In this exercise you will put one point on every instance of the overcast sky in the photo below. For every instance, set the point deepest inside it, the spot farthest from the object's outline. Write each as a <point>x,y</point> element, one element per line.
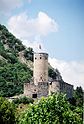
<point>58,25</point>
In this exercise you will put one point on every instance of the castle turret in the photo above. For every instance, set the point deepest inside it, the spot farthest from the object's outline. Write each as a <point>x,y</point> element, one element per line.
<point>40,68</point>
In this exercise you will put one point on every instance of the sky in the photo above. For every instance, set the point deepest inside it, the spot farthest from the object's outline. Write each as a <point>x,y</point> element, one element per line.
<point>57,25</point>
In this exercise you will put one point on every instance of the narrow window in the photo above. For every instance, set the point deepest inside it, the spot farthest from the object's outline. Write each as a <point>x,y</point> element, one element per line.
<point>50,83</point>
<point>34,95</point>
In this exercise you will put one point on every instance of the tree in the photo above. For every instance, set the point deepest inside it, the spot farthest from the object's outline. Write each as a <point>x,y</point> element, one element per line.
<point>52,73</point>
<point>52,110</point>
<point>29,53</point>
<point>7,112</point>
<point>24,100</point>
<point>78,95</point>
<point>12,78</point>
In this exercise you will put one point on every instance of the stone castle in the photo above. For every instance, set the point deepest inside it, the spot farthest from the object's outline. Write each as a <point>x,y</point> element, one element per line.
<point>41,86</point>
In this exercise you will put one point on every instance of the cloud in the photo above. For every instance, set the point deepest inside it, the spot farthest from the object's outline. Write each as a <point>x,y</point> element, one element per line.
<point>6,6</point>
<point>32,30</point>
<point>35,45</point>
<point>72,72</point>
<point>27,28</point>
<point>29,1</point>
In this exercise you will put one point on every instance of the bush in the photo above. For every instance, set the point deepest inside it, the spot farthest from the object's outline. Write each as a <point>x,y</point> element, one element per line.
<point>12,78</point>
<point>7,112</point>
<point>52,110</point>
<point>24,100</point>
<point>28,54</point>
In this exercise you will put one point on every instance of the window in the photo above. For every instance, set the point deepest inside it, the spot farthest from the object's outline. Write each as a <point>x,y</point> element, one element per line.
<point>35,58</point>
<point>34,95</point>
<point>50,83</point>
<point>40,57</point>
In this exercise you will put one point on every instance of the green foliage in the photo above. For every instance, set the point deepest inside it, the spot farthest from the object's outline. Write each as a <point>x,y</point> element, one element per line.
<point>12,78</point>
<point>1,45</point>
<point>11,58</point>
<point>24,100</point>
<point>51,73</point>
<point>77,99</point>
<point>28,54</point>
<point>7,112</point>
<point>78,94</point>
<point>13,74</point>
<point>52,110</point>
<point>9,39</point>
<point>54,74</point>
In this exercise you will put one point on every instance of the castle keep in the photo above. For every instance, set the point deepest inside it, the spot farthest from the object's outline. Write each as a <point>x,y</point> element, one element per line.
<point>40,68</point>
<point>41,86</point>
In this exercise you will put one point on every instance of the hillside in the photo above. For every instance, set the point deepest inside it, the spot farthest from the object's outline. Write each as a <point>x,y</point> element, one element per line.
<point>16,64</point>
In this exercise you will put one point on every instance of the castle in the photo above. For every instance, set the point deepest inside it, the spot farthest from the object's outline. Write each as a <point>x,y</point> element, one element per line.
<point>41,86</point>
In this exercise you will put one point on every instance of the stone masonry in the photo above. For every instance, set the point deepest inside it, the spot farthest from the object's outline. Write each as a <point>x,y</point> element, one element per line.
<point>40,85</point>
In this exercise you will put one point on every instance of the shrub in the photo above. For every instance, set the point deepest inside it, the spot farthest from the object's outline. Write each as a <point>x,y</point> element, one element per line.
<point>7,112</point>
<point>24,100</point>
<point>52,110</point>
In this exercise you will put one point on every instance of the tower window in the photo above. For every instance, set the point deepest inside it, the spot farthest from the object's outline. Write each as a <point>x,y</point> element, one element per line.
<point>34,89</point>
<point>41,77</point>
<point>34,95</point>
<point>35,58</point>
<point>40,57</point>
<point>50,83</point>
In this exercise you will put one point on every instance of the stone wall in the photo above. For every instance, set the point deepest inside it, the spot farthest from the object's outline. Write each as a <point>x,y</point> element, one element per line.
<point>43,89</point>
<point>66,88</point>
<point>30,89</point>
<point>33,90</point>
<point>54,87</point>
<point>63,87</point>
<point>40,67</point>
<point>69,90</point>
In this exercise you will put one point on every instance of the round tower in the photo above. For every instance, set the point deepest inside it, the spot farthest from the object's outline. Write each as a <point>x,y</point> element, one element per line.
<point>40,68</point>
